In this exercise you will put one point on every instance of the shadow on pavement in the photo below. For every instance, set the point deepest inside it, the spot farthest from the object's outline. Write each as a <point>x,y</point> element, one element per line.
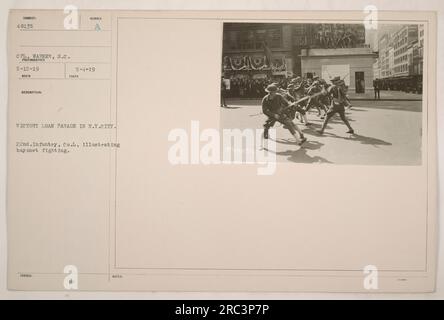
<point>312,129</point>
<point>300,155</point>
<point>357,109</point>
<point>285,141</point>
<point>310,145</point>
<point>362,139</point>
<point>337,119</point>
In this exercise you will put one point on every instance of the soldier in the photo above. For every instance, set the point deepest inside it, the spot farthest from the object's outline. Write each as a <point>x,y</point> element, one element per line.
<point>377,89</point>
<point>338,101</point>
<point>294,94</point>
<point>274,106</point>
<point>297,91</point>
<point>324,98</point>
<point>315,101</point>
<point>297,79</point>
<point>223,93</point>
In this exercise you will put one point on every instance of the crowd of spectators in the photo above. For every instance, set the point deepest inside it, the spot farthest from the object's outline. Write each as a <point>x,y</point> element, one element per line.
<point>247,87</point>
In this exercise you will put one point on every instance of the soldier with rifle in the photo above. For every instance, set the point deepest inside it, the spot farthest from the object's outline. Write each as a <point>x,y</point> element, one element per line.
<point>297,91</point>
<point>275,107</point>
<point>337,94</point>
<point>315,101</point>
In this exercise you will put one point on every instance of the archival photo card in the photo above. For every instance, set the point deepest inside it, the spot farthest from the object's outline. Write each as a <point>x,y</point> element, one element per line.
<point>228,151</point>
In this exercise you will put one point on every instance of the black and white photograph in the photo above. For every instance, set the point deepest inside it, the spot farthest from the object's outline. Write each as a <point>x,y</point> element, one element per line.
<point>334,93</point>
<point>248,154</point>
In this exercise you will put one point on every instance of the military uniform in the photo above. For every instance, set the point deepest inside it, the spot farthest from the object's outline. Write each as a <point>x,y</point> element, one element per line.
<point>274,107</point>
<point>325,98</point>
<point>293,96</point>
<point>315,88</point>
<point>223,93</point>
<point>297,90</point>
<point>338,101</point>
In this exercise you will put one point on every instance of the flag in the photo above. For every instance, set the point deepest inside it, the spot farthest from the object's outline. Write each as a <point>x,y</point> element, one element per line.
<point>268,53</point>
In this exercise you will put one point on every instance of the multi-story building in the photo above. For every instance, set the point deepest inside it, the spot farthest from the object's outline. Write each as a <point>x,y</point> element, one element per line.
<point>327,50</point>
<point>421,35</point>
<point>249,47</point>
<point>402,45</point>
<point>376,69</point>
<point>391,61</point>
<point>385,48</point>
<point>400,55</point>
<point>420,53</point>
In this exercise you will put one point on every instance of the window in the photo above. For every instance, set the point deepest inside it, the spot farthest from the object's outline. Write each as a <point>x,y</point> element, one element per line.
<point>274,38</point>
<point>246,40</point>
<point>253,39</point>
<point>260,37</point>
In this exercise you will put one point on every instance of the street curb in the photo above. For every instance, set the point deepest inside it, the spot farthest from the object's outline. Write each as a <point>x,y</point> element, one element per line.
<point>359,99</point>
<point>351,99</point>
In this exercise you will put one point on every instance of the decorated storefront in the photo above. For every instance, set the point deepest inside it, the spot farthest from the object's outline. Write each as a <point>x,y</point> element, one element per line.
<point>249,74</point>
<point>256,66</point>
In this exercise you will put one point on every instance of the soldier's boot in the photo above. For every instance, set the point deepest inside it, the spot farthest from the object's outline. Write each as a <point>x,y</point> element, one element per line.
<point>299,139</point>
<point>305,120</point>
<point>265,133</point>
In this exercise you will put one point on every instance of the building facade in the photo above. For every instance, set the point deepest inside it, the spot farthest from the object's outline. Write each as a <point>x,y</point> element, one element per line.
<point>376,69</point>
<point>259,50</point>
<point>391,62</point>
<point>401,56</point>
<point>403,41</point>
<point>385,47</point>
<point>421,45</point>
<point>247,48</point>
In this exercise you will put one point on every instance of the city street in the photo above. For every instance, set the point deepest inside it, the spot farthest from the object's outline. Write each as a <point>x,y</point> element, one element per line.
<point>386,133</point>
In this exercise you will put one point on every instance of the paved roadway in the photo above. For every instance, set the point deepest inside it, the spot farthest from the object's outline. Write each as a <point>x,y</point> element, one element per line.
<point>387,133</point>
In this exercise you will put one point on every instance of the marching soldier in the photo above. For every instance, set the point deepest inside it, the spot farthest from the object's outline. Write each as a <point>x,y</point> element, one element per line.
<point>315,101</point>
<point>294,94</point>
<point>338,96</point>
<point>324,98</point>
<point>297,91</point>
<point>274,106</point>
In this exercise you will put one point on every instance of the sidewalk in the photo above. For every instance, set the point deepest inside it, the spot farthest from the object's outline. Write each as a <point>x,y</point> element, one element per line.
<point>369,95</point>
<point>386,95</point>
